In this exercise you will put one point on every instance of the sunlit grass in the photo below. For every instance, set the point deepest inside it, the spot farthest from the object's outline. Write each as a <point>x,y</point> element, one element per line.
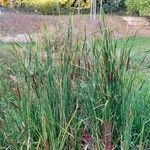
<point>140,43</point>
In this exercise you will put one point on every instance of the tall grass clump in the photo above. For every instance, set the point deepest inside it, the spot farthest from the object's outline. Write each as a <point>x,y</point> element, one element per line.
<point>76,93</point>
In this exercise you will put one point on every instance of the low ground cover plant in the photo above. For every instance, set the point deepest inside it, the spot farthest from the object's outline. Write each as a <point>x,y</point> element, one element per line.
<point>80,94</point>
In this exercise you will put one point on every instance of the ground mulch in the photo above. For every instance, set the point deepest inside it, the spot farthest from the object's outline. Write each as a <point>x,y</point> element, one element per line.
<point>19,23</point>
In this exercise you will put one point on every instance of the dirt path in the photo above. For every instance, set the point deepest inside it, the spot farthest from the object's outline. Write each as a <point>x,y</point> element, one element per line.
<point>18,23</point>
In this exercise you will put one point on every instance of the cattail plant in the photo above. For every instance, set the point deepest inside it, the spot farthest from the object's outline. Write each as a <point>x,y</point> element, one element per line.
<point>83,93</point>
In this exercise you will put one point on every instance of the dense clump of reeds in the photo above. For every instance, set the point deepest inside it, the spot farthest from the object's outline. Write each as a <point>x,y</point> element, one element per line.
<point>80,94</point>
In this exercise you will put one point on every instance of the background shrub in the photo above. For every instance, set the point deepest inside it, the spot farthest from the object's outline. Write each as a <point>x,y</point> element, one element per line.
<point>110,6</point>
<point>64,6</point>
<point>40,6</point>
<point>51,6</point>
<point>140,7</point>
<point>4,2</point>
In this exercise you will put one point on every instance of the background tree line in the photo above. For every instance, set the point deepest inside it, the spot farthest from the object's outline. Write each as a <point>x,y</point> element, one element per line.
<point>134,7</point>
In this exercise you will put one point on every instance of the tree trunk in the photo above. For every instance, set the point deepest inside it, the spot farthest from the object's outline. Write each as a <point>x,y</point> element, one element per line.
<point>93,9</point>
<point>78,7</point>
<point>10,3</point>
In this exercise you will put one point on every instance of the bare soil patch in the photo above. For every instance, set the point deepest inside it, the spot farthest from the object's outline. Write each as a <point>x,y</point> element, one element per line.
<point>18,23</point>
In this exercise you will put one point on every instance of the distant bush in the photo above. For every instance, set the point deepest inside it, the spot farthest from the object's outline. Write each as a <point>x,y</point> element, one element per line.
<point>65,6</point>
<point>140,7</point>
<point>51,6</point>
<point>41,6</point>
<point>4,2</point>
<point>111,6</point>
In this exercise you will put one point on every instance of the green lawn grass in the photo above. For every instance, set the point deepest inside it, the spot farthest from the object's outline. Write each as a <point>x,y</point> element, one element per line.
<point>139,44</point>
<point>140,51</point>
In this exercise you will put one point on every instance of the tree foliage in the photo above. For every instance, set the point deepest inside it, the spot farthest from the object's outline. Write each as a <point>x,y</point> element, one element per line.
<point>50,6</point>
<point>140,7</point>
<point>4,2</point>
<point>110,6</point>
